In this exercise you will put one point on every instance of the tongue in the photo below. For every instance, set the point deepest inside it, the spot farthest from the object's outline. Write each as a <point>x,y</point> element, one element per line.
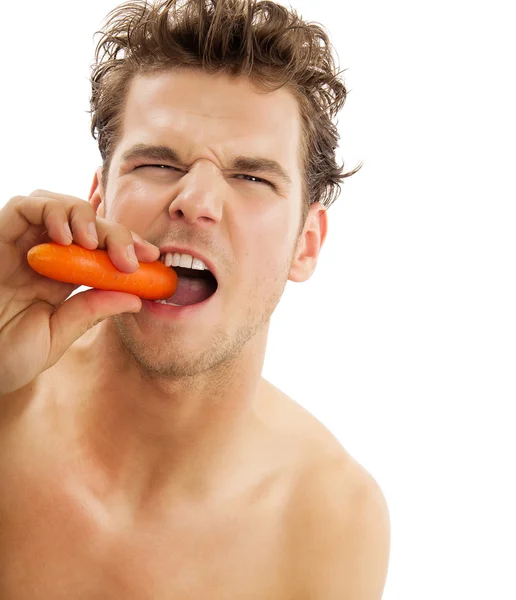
<point>191,290</point>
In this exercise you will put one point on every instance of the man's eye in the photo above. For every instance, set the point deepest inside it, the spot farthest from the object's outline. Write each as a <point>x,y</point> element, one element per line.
<point>156,167</point>
<point>257,179</point>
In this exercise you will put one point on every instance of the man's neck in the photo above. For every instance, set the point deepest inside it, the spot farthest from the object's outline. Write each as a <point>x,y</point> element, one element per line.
<point>142,437</point>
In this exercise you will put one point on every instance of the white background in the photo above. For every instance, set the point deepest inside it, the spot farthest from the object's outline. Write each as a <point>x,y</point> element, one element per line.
<point>403,342</point>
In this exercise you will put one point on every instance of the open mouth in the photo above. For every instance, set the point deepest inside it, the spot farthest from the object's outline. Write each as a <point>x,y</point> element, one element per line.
<point>193,286</point>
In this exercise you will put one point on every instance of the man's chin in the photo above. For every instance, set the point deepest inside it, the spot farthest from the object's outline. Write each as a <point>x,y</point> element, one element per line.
<point>216,353</point>
<point>173,358</point>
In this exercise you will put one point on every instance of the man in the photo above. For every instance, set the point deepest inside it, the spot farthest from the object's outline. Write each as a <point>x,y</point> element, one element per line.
<point>147,457</point>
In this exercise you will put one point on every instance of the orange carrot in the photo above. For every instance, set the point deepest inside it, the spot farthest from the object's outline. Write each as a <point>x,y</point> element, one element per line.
<point>93,268</point>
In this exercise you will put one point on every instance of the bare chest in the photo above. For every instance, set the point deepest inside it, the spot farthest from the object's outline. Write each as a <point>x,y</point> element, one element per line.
<point>59,542</point>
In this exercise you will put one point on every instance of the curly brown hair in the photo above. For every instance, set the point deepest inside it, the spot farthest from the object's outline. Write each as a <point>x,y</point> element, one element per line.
<point>265,41</point>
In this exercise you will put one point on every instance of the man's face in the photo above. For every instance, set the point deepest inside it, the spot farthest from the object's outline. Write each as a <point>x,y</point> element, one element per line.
<point>244,221</point>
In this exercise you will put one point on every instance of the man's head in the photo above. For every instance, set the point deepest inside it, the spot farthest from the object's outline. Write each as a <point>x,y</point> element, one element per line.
<point>271,45</point>
<point>236,100</point>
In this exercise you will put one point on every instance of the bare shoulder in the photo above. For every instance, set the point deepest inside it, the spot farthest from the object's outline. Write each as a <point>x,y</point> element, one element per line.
<point>338,518</point>
<point>340,533</point>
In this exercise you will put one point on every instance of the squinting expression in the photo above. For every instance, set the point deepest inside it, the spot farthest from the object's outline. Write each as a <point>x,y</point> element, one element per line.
<point>212,164</point>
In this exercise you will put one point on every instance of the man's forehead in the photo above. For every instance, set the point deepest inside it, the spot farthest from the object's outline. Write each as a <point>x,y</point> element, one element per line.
<point>211,104</point>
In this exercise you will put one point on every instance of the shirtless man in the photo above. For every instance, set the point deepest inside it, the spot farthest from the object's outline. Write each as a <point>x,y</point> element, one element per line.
<point>146,457</point>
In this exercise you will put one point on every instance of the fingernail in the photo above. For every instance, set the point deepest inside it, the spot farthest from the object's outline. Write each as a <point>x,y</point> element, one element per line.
<point>131,254</point>
<point>92,232</point>
<point>67,230</point>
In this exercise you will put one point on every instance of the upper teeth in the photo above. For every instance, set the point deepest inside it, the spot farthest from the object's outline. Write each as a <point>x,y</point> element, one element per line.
<point>174,259</point>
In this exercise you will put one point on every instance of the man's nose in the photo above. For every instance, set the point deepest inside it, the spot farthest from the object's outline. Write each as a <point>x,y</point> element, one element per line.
<point>199,195</point>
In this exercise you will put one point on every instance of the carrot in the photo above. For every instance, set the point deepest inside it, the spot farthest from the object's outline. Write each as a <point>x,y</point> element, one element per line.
<point>75,264</point>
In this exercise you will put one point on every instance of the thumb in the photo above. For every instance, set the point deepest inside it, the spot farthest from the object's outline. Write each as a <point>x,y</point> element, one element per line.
<point>81,312</point>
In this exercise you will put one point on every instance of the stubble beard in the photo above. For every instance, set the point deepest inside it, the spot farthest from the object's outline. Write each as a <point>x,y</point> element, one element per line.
<point>219,358</point>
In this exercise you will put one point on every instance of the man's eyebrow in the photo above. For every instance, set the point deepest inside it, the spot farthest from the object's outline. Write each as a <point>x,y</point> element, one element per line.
<point>253,164</point>
<point>150,153</point>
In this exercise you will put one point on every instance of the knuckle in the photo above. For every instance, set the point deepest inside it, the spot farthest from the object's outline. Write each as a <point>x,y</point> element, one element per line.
<point>39,193</point>
<point>89,210</point>
<point>86,207</point>
<point>15,200</point>
<point>51,206</point>
<point>82,210</point>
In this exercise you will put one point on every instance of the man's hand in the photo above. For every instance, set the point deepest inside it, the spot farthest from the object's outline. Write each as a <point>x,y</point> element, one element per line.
<point>37,321</point>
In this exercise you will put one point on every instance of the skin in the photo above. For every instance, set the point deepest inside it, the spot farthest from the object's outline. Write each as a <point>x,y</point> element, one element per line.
<point>162,460</point>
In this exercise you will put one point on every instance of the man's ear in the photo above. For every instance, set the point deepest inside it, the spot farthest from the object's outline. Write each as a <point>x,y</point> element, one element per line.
<point>309,243</point>
<point>96,195</point>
